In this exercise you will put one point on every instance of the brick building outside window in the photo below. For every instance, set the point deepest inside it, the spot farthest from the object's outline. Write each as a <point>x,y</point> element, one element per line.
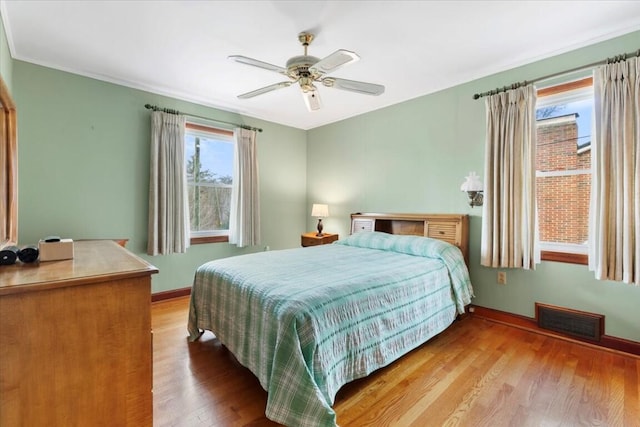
<point>563,171</point>
<point>562,186</point>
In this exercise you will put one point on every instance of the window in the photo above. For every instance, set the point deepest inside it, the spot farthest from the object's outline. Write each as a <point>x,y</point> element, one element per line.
<point>209,166</point>
<point>563,169</point>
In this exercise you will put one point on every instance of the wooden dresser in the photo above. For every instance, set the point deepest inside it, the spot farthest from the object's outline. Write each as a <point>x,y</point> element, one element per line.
<point>75,340</point>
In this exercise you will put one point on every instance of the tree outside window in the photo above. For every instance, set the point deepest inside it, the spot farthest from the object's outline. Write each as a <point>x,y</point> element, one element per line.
<point>209,165</point>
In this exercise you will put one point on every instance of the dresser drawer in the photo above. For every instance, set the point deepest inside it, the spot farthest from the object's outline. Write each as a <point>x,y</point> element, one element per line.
<point>446,231</point>
<point>362,225</point>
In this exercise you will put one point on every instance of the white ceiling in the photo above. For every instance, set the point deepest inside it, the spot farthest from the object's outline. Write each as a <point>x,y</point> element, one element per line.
<point>180,48</point>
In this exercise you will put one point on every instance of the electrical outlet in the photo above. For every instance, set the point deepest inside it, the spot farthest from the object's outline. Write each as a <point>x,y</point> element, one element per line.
<point>502,277</point>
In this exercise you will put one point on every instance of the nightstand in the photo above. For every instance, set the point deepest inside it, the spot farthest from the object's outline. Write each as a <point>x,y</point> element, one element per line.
<point>310,239</point>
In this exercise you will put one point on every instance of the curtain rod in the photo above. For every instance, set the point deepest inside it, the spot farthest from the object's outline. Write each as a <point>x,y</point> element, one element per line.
<point>517,85</point>
<point>170,111</point>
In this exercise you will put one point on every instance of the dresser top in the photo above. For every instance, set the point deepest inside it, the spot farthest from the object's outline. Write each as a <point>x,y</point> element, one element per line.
<point>94,261</point>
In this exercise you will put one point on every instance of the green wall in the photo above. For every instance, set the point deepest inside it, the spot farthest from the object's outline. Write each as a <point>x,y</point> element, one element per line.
<point>84,168</point>
<point>413,157</point>
<point>6,62</point>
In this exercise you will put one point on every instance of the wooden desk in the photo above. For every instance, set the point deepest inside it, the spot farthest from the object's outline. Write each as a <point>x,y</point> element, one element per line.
<point>75,340</point>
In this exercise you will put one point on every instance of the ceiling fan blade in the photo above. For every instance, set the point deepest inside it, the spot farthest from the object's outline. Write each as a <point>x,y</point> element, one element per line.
<point>254,62</point>
<point>334,61</point>
<point>312,100</point>
<point>353,86</point>
<point>264,90</point>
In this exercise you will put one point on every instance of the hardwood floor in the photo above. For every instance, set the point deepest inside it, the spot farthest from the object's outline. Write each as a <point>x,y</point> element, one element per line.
<point>476,373</point>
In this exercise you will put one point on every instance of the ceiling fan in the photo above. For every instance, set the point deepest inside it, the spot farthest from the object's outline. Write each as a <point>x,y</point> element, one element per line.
<point>307,70</point>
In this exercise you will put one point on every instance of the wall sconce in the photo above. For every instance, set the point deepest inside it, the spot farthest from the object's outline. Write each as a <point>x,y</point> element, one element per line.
<point>473,186</point>
<point>320,211</point>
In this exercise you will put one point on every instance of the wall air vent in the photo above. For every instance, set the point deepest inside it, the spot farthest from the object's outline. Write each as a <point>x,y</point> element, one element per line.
<point>574,323</point>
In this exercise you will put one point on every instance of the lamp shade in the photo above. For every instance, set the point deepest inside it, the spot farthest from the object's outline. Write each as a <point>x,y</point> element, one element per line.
<point>472,183</point>
<point>320,211</point>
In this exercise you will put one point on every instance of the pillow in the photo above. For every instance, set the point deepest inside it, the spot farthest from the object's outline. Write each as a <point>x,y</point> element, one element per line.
<point>420,246</point>
<point>368,239</point>
<point>411,245</point>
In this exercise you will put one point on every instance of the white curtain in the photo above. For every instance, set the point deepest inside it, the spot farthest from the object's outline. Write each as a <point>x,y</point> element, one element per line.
<point>168,197</point>
<point>509,220</point>
<point>244,221</point>
<point>614,234</point>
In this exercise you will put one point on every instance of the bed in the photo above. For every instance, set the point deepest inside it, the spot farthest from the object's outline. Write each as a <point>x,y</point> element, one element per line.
<point>306,321</point>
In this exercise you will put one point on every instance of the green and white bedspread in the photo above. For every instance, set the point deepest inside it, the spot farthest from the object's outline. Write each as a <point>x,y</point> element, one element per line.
<point>307,321</point>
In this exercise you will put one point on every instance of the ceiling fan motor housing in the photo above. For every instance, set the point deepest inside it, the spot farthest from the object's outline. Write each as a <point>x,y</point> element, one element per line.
<point>298,66</point>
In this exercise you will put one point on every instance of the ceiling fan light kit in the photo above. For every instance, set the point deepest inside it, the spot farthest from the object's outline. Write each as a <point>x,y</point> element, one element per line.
<point>307,70</point>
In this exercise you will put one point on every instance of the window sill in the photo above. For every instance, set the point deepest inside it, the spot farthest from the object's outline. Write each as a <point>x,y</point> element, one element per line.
<point>568,258</point>
<point>209,239</point>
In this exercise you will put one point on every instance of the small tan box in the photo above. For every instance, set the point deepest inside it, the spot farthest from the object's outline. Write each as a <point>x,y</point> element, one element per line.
<point>54,251</point>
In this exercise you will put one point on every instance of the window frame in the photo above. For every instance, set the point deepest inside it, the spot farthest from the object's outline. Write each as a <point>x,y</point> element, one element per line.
<point>553,95</point>
<point>8,168</point>
<point>217,236</point>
